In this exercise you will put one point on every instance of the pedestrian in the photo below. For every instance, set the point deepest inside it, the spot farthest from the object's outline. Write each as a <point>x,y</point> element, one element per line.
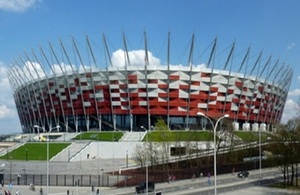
<point>169,178</point>
<point>173,178</point>
<point>193,177</point>
<point>41,191</point>
<point>31,187</point>
<point>209,181</point>
<point>201,174</point>
<point>8,192</point>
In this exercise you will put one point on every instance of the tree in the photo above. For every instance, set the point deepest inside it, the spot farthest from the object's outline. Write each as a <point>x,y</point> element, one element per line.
<point>140,155</point>
<point>152,154</point>
<point>286,150</point>
<point>293,127</point>
<point>154,151</point>
<point>163,141</point>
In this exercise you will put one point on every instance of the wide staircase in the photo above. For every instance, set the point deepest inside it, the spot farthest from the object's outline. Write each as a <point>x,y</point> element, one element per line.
<point>66,137</point>
<point>132,136</point>
<point>68,153</point>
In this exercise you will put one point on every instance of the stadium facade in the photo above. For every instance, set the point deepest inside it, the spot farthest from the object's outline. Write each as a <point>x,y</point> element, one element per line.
<point>66,86</point>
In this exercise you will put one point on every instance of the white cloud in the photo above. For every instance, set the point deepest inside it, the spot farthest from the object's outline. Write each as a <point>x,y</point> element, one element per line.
<point>295,92</point>
<point>62,67</point>
<point>291,46</point>
<point>291,110</point>
<point>5,112</point>
<point>4,86</point>
<point>17,5</point>
<point>136,57</point>
<point>9,120</point>
<point>34,70</point>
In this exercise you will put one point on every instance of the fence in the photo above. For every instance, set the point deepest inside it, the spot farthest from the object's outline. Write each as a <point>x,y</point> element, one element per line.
<point>103,180</point>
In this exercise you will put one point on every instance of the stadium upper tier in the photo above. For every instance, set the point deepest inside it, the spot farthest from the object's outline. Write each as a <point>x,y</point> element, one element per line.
<point>135,90</point>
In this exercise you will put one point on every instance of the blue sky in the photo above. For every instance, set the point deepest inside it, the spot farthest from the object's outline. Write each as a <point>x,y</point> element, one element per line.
<point>271,26</point>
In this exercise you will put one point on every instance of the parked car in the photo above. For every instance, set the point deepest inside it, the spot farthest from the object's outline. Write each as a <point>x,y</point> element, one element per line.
<point>243,174</point>
<point>141,188</point>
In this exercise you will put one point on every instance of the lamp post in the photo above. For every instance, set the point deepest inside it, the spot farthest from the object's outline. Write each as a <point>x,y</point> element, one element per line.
<point>102,177</point>
<point>215,147</point>
<point>26,154</point>
<point>57,127</point>
<point>126,158</point>
<point>146,160</point>
<point>10,169</point>
<point>260,153</point>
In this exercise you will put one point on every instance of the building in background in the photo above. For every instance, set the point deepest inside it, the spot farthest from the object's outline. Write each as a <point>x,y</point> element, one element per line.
<point>81,87</point>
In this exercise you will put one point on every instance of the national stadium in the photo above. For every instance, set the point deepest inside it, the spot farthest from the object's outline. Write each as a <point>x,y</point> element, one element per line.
<point>88,85</point>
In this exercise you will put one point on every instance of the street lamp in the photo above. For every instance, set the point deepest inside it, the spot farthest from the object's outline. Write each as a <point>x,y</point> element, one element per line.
<point>215,147</point>
<point>102,177</point>
<point>57,127</point>
<point>26,154</point>
<point>126,158</point>
<point>146,160</point>
<point>260,153</point>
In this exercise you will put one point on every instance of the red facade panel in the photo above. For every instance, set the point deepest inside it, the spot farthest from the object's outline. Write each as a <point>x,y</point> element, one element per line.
<point>239,84</point>
<point>139,110</point>
<point>203,74</point>
<point>235,100</point>
<point>123,86</point>
<point>212,98</point>
<point>174,77</point>
<point>132,77</point>
<point>134,95</point>
<point>123,95</point>
<point>173,94</point>
<point>163,86</point>
<point>158,112</point>
<point>230,91</point>
<point>163,95</point>
<point>195,83</point>
<point>134,103</point>
<point>184,87</point>
<point>214,89</point>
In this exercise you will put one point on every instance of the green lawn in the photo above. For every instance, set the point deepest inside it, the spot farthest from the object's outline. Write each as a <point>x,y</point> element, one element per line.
<point>157,136</point>
<point>35,151</point>
<point>100,136</point>
<point>173,136</point>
